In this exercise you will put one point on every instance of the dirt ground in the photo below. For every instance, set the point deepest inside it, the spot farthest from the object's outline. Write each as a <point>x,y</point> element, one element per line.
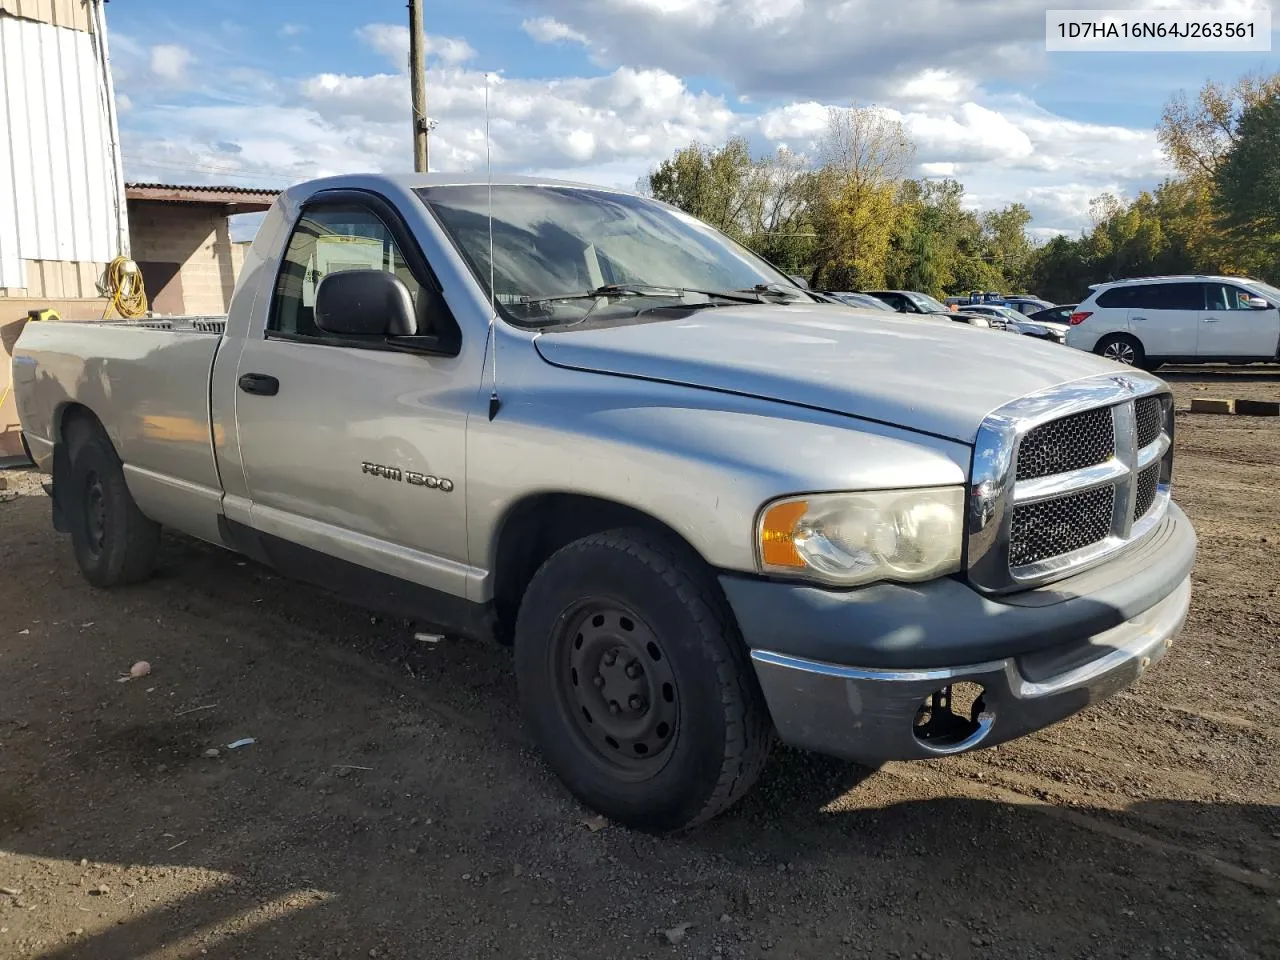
<point>392,807</point>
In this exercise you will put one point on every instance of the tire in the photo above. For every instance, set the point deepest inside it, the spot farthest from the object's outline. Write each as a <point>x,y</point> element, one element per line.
<point>1121,348</point>
<point>694,732</point>
<point>114,543</point>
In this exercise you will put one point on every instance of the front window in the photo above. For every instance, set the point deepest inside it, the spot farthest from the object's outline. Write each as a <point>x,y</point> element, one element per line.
<point>928,304</point>
<point>1268,291</point>
<point>330,238</point>
<point>564,242</point>
<point>1007,313</point>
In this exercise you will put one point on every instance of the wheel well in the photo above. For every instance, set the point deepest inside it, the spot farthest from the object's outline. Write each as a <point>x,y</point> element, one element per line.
<point>72,414</point>
<point>538,526</point>
<point>1120,336</point>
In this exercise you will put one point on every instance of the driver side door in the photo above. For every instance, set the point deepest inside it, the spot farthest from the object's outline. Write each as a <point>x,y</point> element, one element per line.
<point>351,449</point>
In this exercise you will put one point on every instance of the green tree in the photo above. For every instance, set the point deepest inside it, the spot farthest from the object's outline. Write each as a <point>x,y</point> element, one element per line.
<point>1008,246</point>
<point>1197,135</point>
<point>864,155</point>
<point>780,226</point>
<point>1247,179</point>
<point>1061,269</point>
<point>925,267</point>
<point>711,183</point>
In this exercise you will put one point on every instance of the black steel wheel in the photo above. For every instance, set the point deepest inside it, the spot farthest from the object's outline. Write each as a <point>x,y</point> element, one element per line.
<point>635,682</point>
<point>617,687</point>
<point>95,514</point>
<point>114,542</point>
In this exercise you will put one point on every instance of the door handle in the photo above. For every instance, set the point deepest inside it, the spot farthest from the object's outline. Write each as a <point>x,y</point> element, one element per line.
<point>1209,320</point>
<point>260,383</point>
<point>1140,319</point>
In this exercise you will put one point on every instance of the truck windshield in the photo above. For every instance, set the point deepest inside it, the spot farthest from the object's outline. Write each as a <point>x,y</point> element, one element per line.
<point>552,246</point>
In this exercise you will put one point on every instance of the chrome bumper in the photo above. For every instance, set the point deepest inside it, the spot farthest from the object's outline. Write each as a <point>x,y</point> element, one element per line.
<point>870,715</point>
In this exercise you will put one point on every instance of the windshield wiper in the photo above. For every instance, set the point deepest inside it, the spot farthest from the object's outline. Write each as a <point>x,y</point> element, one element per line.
<point>647,290</point>
<point>774,290</point>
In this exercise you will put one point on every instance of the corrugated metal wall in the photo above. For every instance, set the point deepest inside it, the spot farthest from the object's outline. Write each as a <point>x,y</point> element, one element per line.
<point>57,178</point>
<point>62,13</point>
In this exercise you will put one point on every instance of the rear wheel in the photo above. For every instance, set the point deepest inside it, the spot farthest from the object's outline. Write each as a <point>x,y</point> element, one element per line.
<point>114,542</point>
<point>1121,348</point>
<point>635,682</point>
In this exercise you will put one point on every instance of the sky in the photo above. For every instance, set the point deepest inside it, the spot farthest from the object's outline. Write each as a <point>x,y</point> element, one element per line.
<point>270,92</point>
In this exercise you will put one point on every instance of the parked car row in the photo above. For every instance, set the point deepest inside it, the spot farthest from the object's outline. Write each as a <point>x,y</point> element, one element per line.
<point>1021,303</point>
<point>1144,322</point>
<point>991,315</point>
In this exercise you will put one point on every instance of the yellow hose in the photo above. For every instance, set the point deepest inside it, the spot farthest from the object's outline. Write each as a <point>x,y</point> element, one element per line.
<point>128,297</point>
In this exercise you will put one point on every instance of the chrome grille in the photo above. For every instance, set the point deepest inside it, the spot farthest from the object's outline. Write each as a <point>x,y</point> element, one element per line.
<point>1053,527</point>
<point>1071,443</point>
<point>1148,483</point>
<point>1149,417</point>
<point>1068,477</point>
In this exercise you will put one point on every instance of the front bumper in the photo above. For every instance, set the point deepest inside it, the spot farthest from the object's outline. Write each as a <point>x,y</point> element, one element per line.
<point>1038,657</point>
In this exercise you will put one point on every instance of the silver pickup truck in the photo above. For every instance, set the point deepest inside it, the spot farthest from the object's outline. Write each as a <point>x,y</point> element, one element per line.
<point>708,509</point>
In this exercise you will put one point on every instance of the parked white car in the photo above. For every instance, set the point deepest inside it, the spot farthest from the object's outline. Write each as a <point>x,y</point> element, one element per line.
<point>1159,320</point>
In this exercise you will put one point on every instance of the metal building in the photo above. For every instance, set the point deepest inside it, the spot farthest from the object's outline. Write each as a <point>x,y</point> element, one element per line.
<point>62,196</point>
<point>63,214</point>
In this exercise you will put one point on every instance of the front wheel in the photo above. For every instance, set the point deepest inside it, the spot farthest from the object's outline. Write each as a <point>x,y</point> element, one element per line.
<point>636,684</point>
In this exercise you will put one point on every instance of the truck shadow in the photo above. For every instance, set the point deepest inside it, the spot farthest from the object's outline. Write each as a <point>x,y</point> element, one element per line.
<point>958,874</point>
<point>447,836</point>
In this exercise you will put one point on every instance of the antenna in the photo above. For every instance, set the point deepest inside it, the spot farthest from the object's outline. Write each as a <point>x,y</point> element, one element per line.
<point>494,402</point>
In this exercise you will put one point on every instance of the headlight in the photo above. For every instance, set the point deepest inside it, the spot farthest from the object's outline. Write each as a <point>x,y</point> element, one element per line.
<point>846,539</point>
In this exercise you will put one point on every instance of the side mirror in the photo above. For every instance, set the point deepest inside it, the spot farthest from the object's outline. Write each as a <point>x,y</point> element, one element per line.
<point>800,282</point>
<point>1257,303</point>
<point>364,303</point>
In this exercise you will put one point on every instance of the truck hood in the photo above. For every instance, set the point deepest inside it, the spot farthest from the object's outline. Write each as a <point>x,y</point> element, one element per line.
<point>931,375</point>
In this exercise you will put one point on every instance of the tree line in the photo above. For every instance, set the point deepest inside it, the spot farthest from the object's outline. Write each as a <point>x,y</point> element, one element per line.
<point>849,217</point>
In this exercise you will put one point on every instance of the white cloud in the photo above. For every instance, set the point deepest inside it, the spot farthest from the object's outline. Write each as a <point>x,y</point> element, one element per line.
<point>1003,150</point>
<point>292,29</point>
<point>638,116</point>
<point>392,41</point>
<point>169,61</point>
<point>937,86</point>
<point>938,169</point>
<point>613,127</point>
<point>123,103</point>
<point>551,30</point>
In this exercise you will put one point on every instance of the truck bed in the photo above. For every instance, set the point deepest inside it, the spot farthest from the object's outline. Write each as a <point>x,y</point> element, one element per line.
<point>147,381</point>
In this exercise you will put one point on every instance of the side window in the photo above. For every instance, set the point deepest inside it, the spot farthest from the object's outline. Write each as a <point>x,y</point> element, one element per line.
<point>1223,296</point>
<point>1118,297</point>
<point>327,239</point>
<point>1181,296</point>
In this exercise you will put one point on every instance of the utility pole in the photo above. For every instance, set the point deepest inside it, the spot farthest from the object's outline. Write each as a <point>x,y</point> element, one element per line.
<point>418,81</point>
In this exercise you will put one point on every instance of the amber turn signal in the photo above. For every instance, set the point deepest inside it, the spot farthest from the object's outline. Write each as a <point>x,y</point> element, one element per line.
<point>777,534</point>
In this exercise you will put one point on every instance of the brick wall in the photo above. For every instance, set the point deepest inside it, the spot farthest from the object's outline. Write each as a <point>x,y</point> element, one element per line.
<point>194,235</point>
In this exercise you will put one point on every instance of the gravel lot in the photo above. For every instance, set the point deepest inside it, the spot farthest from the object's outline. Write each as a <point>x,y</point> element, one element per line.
<point>392,806</point>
